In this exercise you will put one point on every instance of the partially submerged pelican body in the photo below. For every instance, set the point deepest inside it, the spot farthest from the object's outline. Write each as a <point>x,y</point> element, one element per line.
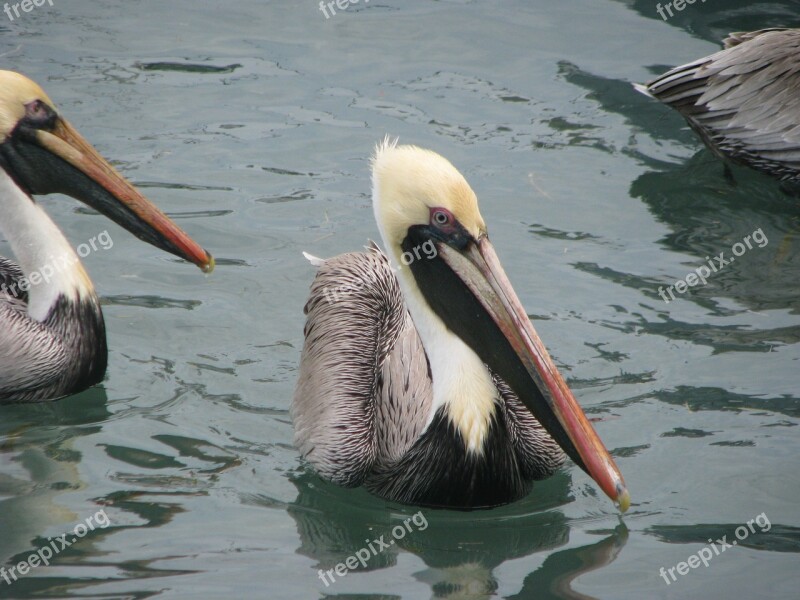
<point>52,334</point>
<point>743,101</point>
<point>421,377</point>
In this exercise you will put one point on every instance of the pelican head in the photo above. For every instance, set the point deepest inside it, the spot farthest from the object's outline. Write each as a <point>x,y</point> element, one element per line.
<point>44,154</point>
<point>420,199</point>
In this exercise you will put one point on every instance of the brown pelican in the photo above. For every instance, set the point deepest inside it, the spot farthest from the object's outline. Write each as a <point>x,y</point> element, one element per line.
<point>422,377</point>
<point>743,101</point>
<point>52,335</point>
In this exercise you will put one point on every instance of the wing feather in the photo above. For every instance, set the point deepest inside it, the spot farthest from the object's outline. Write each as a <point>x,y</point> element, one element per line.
<point>744,101</point>
<point>31,357</point>
<point>358,383</point>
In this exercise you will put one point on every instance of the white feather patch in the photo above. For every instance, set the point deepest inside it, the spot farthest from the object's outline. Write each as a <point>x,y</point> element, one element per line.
<point>316,261</point>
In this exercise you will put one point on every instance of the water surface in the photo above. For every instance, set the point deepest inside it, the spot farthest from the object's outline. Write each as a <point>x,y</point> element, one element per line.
<point>251,123</point>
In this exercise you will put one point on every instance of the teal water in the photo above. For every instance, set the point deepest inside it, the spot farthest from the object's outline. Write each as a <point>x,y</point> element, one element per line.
<point>251,123</point>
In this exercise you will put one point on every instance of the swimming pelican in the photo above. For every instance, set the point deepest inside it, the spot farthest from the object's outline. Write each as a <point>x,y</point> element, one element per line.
<point>52,335</point>
<point>421,376</point>
<point>743,101</point>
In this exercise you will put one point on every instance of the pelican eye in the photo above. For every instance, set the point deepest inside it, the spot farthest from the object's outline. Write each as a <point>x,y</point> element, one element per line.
<point>442,217</point>
<point>39,115</point>
<point>445,227</point>
<point>35,110</point>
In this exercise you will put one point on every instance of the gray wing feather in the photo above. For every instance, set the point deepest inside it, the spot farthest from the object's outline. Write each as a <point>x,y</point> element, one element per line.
<point>737,37</point>
<point>31,357</point>
<point>405,394</point>
<point>538,454</point>
<point>744,101</point>
<point>363,393</point>
<point>10,276</point>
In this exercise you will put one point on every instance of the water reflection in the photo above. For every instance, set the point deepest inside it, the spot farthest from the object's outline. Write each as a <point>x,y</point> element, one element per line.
<point>46,467</point>
<point>718,399</point>
<point>709,214</point>
<point>460,549</point>
<point>708,210</point>
<point>775,538</point>
<point>38,465</point>
<point>715,19</point>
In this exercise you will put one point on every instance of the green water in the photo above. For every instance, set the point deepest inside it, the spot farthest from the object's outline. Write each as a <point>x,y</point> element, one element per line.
<point>251,123</point>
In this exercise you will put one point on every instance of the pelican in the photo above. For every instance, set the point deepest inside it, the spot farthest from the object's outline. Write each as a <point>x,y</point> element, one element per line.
<point>421,377</point>
<point>52,334</point>
<point>743,101</point>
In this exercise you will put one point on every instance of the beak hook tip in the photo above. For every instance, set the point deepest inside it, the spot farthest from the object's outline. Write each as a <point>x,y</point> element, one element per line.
<point>623,498</point>
<point>209,265</point>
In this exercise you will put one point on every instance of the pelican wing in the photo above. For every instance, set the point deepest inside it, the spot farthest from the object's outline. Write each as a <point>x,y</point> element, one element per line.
<point>31,357</point>
<point>744,101</point>
<point>10,276</point>
<point>364,392</point>
<point>738,37</point>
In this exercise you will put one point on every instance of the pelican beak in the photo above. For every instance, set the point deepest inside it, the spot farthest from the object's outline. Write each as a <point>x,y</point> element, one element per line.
<point>60,160</point>
<point>487,315</point>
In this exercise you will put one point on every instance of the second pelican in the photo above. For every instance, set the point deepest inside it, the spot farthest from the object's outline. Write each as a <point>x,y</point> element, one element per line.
<point>743,101</point>
<point>52,332</point>
<point>422,377</point>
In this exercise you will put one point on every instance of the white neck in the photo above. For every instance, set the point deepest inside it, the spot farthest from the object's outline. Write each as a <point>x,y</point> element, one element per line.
<point>461,382</point>
<point>45,256</point>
